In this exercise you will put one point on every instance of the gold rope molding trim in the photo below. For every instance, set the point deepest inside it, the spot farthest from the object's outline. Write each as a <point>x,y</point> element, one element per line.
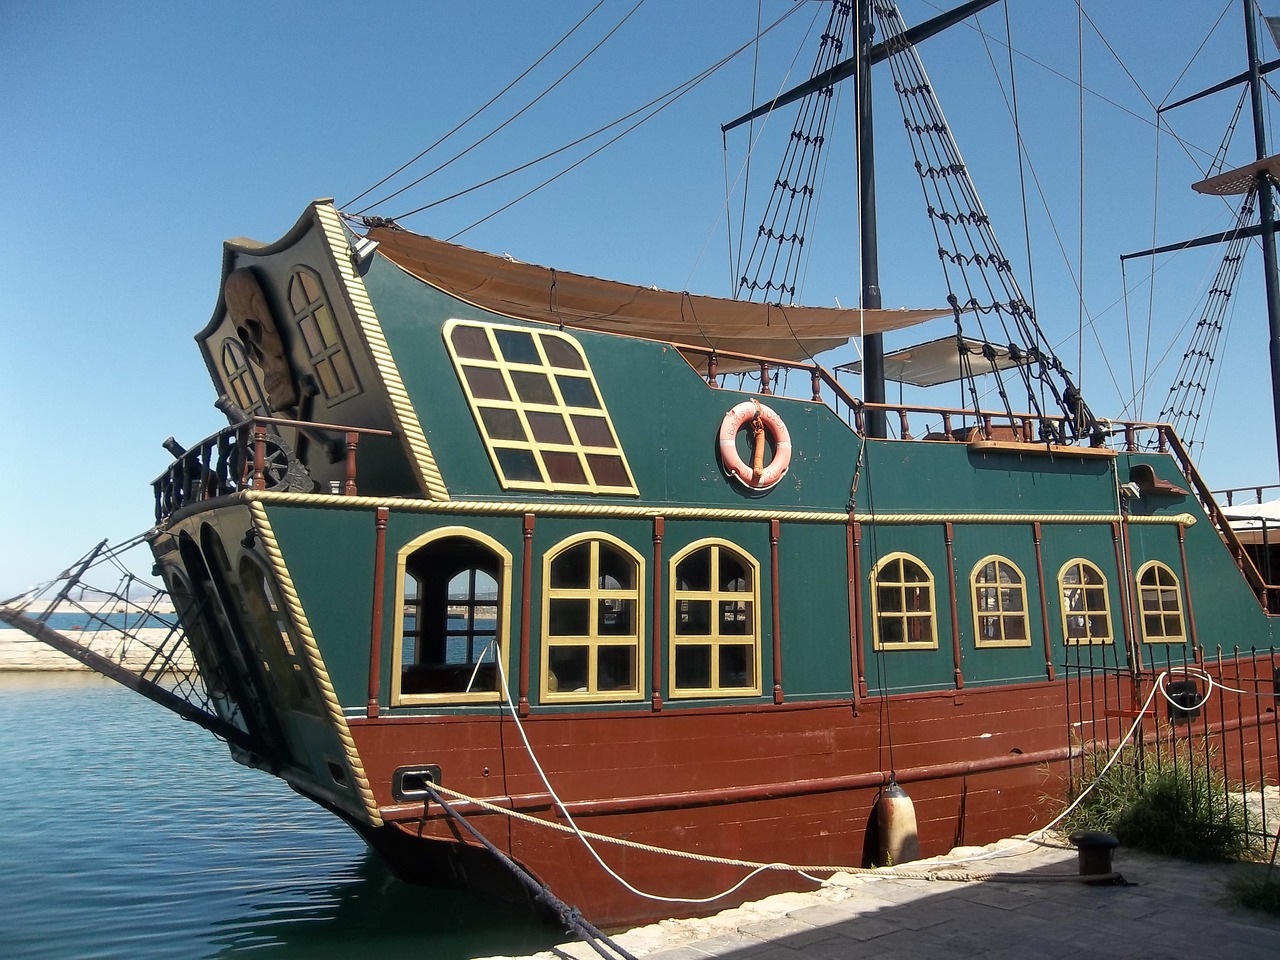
<point>632,511</point>
<point>406,417</point>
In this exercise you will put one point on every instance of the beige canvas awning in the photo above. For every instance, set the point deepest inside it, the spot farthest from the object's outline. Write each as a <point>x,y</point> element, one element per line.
<point>938,361</point>
<point>532,292</point>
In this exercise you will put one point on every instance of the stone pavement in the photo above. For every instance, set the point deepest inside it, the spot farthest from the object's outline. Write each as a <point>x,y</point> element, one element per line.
<point>1167,909</point>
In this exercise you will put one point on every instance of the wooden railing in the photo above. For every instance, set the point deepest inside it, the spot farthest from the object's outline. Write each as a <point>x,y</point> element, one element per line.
<point>249,456</point>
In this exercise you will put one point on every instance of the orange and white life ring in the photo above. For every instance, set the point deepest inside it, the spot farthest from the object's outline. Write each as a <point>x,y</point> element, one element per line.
<point>763,420</point>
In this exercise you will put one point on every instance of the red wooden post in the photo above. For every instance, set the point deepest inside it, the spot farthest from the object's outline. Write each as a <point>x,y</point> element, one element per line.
<point>375,631</point>
<point>855,629</point>
<point>711,369</point>
<point>259,457</point>
<point>1044,602</point>
<point>353,442</point>
<point>855,633</point>
<point>764,379</point>
<point>815,383</point>
<point>775,529</point>
<point>655,628</point>
<point>526,591</point>
<point>948,531</point>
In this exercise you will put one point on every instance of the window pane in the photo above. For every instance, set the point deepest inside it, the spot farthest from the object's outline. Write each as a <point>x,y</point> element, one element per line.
<point>561,354</point>
<point>889,599</point>
<point>572,568</point>
<point>548,427</point>
<point>891,630</point>
<point>617,570</point>
<point>694,571</point>
<point>471,342</point>
<point>736,666</point>
<point>486,383</point>
<point>617,618</point>
<point>616,668</point>
<point>578,392</point>
<point>518,464</point>
<point>693,618</point>
<point>592,431</point>
<point>564,467</point>
<point>693,666</point>
<point>735,618</point>
<point>608,471</point>
<point>568,666</point>
<point>517,347</point>
<point>532,387</point>
<point>570,618</point>
<point>502,424</point>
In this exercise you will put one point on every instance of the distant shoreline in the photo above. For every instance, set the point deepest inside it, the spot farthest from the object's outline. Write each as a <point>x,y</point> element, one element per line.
<point>20,653</point>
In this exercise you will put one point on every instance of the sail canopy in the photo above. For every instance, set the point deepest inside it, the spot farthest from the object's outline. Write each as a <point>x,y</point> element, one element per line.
<point>525,290</point>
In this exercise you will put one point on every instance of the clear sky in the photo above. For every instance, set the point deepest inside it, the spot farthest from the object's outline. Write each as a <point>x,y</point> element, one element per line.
<point>138,136</point>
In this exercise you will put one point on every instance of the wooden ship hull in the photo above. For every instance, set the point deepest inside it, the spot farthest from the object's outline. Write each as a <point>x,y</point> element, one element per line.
<point>513,557</point>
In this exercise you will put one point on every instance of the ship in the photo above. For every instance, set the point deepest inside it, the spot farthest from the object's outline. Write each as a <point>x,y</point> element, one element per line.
<point>526,574</point>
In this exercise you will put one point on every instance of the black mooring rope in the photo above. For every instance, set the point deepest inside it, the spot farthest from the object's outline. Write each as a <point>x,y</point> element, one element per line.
<point>570,916</point>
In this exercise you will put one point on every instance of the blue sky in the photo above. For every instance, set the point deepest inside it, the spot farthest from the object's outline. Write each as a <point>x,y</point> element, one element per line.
<point>139,136</point>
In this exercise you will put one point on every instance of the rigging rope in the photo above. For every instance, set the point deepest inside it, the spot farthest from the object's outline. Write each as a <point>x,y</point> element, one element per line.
<point>779,242</point>
<point>973,262</point>
<point>1185,402</point>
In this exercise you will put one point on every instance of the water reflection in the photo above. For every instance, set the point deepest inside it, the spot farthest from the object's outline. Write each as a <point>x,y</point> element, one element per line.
<point>129,833</point>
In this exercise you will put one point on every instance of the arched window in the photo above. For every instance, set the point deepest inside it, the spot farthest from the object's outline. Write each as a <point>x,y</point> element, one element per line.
<point>242,383</point>
<point>999,604</point>
<point>902,604</point>
<point>715,631</point>
<point>453,590</point>
<point>592,618</point>
<point>1160,600</point>
<point>271,635</point>
<point>320,335</point>
<point>1086,611</point>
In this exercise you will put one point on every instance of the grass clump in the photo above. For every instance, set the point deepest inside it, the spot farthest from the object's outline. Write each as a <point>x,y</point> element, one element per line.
<point>1174,809</point>
<point>1258,889</point>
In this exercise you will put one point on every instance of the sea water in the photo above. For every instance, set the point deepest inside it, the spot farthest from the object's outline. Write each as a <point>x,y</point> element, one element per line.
<point>128,833</point>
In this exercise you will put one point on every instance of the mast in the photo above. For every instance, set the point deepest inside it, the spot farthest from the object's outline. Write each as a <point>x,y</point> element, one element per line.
<point>873,386</point>
<point>1266,211</point>
<point>859,67</point>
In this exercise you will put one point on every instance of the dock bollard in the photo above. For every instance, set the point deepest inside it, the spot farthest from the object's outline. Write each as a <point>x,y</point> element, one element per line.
<point>1094,851</point>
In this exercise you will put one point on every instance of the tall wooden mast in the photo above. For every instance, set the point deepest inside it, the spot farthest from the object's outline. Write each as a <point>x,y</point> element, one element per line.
<point>866,55</point>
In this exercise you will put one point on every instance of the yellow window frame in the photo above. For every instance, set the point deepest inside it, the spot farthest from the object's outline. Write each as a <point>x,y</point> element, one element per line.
<point>502,628</point>
<point>714,638</point>
<point>1161,621</point>
<point>992,611</point>
<point>597,598</point>
<point>1086,602</point>
<point>908,614</point>
<point>559,433</point>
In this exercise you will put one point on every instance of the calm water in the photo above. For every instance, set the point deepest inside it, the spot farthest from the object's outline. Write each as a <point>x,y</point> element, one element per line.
<point>127,833</point>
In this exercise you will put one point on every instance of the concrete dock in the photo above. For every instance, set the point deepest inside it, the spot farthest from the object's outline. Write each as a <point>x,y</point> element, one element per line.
<point>1165,909</point>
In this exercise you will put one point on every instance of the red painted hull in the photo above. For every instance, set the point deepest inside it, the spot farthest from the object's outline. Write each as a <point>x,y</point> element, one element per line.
<point>795,783</point>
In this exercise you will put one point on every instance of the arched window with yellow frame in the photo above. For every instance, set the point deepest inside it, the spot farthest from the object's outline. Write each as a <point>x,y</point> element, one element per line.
<point>1086,609</point>
<point>715,624</point>
<point>1160,603</point>
<point>999,592</point>
<point>321,336</point>
<point>453,596</point>
<point>902,604</point>
<point>592,619</point>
